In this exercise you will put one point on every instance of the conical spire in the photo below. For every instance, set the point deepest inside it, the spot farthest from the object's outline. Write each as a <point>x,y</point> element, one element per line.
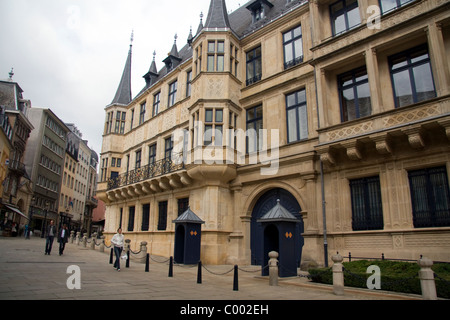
<point>217,15</point>
<point>123,94</point>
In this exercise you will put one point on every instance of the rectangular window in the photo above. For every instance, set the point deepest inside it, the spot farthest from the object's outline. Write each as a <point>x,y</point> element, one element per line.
<point>254,65</point>
<point>131,218</point>
<point>188,83</point>
<point>173,93</point>
<point>142,113</point>
<point>156,101</point>
<point>293,47</point>
<point>152,154</point>
<point>297,116</point>
<point>183,205</point>
<point>344,16</point>
<point>367,209</point>
<point>145,217</point>
<point>162,215</point>
<point>138,159</point>
<point>254,125</point>
<point>354,94</point>
<point>132,119</point>
<point>430,197</point>
<point>216,58</point>
<point>213,127</point>
<point>390,5</point>
<point>412,78</point>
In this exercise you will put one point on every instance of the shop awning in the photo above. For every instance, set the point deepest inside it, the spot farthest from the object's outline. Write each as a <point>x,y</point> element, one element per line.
<point>15,210</point>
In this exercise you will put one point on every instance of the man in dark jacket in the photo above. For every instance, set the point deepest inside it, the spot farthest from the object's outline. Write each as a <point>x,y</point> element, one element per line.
<point>63,238</point>
<point>51,233</point>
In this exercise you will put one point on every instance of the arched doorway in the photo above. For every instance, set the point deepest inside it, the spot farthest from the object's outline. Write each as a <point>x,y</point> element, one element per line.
<point>179,244</point>
<point>265,203</point>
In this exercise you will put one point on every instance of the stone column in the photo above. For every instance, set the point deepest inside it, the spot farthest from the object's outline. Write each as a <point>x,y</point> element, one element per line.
<point>338,275</point>
<point>426,276</point>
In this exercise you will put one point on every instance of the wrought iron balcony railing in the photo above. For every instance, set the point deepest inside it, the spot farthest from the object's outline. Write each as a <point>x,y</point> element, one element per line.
<point>153,170</point>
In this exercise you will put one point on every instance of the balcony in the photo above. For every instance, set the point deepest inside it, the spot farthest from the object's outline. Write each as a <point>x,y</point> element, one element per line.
<point>18,167</point>
<point>157,177</point>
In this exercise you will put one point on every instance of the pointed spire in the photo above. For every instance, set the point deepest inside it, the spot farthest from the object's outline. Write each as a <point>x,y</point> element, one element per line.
<point>200,26</point>
<point>174,51</point>
<point>152,75</point>
<point>190,37</point>
<point>123,94</point>
<point>173,58</point>
<point>217,15</point>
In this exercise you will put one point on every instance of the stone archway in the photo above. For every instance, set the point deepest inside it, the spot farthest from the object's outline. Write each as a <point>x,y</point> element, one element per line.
<point>264,203</point>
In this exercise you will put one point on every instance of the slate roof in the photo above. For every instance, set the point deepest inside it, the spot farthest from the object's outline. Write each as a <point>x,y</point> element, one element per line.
<point>217,15</point>
<point>123,93</point>
<point>278,213</point>
<point>188,216</point>
<point>240,22</point>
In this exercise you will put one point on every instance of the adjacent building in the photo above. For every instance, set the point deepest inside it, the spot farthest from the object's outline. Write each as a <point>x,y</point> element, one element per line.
<point>336,110</point>
<point>44,161</point>
<point>15,130</point>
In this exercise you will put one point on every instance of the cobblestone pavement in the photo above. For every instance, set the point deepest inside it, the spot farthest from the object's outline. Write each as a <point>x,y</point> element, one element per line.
<point>27,274</point>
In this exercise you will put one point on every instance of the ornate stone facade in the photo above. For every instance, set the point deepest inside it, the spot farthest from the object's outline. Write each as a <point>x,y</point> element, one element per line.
<point>358,173</point>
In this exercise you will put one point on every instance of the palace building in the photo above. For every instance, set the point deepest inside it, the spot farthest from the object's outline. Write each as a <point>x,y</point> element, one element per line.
<point>304,127</point>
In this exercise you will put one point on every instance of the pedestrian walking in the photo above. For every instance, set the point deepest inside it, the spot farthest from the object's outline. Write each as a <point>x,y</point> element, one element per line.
<point>51,233</point>
<point>117,241</point>
<point>63,238</point>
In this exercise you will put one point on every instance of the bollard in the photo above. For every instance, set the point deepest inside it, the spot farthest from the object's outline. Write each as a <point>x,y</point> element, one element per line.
<point>111,256</point>
<point>92,244</point>
<point>127,264</point>
<point>426,276</point>
<point>101,248</point>
<point>85,240</point>
<point>72,236</point>
<point>77,242</point>
<point>199,272</point>
<point>338,275</point>
<point>273,268</point>
<point>171,267</point>
<point>143,251</point>
<point>147,262</point>
<point>235,279</point>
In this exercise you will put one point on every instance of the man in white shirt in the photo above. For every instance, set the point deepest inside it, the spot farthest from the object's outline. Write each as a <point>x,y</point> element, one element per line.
<point>117,241</point>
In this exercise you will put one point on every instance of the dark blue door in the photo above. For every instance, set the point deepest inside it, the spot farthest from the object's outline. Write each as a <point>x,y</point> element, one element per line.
<point>266,202</point>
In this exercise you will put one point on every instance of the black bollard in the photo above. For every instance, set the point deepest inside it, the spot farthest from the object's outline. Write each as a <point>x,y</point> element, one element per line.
<point>147,262</point>
<point>171,267</point>
<point>127,265</point>
<point>235,280</point>
<point>199,272</point>
<point>111,256</point>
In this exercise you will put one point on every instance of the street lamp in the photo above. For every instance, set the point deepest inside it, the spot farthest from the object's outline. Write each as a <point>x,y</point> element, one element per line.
<point>45,219</point>
<point>33,201</point>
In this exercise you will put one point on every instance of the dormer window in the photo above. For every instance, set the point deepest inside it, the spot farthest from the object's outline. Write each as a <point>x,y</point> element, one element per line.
<point>259,9</point>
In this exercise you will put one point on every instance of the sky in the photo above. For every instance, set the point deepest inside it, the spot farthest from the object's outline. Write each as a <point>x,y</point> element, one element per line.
<point>69,55</point>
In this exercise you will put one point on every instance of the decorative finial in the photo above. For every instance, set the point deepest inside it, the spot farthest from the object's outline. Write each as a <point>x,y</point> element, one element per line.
<point>176,37</point>
<point>154,55</point>
<point>201,17</point>
<point>11,74</point>
<point>132,37</point>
